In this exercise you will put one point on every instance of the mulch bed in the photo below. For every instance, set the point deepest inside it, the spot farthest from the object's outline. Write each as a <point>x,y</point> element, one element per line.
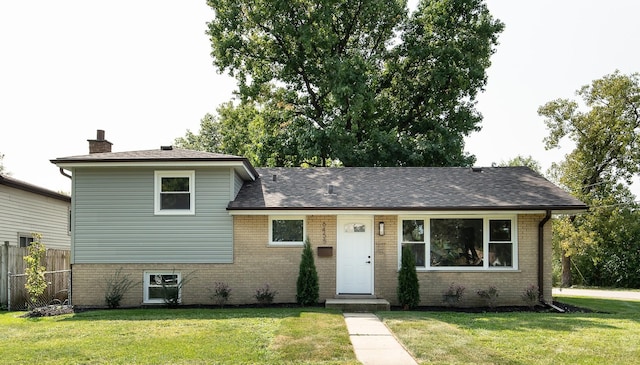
<point>54,310</point>
<point>538,308</point>
<point>50,310</point>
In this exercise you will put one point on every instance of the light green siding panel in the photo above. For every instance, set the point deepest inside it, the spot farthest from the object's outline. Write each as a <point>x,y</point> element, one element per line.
<point>237,184</point>
<point>115,220</point>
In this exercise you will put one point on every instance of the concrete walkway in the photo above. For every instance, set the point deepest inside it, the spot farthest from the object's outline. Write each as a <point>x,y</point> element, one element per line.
<point>597,293</point>
<point>373,343</point>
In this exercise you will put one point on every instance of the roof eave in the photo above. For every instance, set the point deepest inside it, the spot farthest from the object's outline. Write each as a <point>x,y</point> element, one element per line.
<point>559,209</point>
<point>242,165</point>
<point>16,184</point>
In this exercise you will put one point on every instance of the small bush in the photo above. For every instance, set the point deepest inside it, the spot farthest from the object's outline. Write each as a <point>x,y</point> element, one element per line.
<point>36,283</point>
<point>171,293</point>
<point>221,294</point>
<point>116,287</point>
<point>490,296</point>
<point>451,297</point>
<point>265,295</point>
<point>307,286</point>
<point>531,296</point>
<point>408,285</point>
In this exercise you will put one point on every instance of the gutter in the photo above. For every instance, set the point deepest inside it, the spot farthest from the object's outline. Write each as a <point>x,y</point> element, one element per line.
<point>544,221</point>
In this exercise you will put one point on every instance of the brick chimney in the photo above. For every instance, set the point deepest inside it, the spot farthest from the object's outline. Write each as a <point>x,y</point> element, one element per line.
<point>99,145</point>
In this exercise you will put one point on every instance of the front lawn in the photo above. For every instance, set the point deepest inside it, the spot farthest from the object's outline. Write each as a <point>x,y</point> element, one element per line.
<point>523,337</point>
<point>178,336</point>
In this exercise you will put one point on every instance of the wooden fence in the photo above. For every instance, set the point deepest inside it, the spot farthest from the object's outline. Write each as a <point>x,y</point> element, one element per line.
<point>12,266</point>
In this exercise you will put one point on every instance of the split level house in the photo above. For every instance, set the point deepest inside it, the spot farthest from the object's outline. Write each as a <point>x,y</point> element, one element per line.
<point>162,215</point>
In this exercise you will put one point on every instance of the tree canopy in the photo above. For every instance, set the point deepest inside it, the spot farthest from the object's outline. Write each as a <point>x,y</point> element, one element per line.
<point>605,243</point>
<point>361,82</point>
<point>520,160</point>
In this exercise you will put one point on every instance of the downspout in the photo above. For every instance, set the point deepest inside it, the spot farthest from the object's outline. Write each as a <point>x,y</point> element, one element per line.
<point>64,173</point>
<point>70,283</point>
<point>541,255</point>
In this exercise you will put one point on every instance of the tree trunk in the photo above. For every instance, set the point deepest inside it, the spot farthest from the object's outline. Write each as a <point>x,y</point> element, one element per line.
<point>566,270</point>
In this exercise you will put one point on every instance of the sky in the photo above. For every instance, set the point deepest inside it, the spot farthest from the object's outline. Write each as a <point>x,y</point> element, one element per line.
<point>142,72</point>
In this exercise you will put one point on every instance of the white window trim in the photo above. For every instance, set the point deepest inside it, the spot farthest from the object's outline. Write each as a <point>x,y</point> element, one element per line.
<point>147,284</point>
<point>158,175</point>
<point>485,243</point>
<point>290,218</point>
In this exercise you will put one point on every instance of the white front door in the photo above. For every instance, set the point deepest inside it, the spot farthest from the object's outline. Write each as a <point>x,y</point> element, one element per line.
<point>355,255</point>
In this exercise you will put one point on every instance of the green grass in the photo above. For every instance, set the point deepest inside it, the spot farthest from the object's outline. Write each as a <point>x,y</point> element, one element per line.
<point>178,336</point>
<point>617,306</point>
<point>523,338</point>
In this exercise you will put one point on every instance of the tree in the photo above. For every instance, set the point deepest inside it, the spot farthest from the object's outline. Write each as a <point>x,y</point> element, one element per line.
<point>36,283</point>
<point>361,82</point>
<point>307,286</point>
<point>520,160</point>
<point>599,171</point>
<point>408,285</point>
<point>207,140</point>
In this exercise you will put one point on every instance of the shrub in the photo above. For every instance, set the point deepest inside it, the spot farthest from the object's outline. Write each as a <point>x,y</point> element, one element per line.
<point>307,286</point>
<point>171,293</point>
<point>490,296</point>
<point>265,295</point>
<point>453,294</point>
<point>408,285</point>
<point>221,294</point>
<point>116,287</point>
<point>531,296</point>
<point>36,283</point>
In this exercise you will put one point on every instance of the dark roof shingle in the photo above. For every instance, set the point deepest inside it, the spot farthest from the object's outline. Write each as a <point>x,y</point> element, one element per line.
<point>403,188</point>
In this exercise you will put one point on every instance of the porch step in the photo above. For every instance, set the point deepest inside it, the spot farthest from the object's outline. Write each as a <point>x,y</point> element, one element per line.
<point>358,304</point>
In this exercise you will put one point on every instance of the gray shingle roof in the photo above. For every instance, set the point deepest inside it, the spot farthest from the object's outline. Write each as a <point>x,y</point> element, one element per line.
<point>173,154</point>
<point>156,155</point>
<point>403,188</point>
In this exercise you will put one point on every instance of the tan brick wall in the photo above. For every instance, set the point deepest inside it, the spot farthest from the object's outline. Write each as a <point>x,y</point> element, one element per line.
<point>433,283</point>
<point>257,263</point>
<point>386,257</point>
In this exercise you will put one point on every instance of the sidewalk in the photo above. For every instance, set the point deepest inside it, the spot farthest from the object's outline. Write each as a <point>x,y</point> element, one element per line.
<point>373,343</point>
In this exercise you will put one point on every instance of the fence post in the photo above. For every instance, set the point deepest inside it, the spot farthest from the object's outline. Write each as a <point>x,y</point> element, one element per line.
<point>4,268</point>
<point>9,291</point>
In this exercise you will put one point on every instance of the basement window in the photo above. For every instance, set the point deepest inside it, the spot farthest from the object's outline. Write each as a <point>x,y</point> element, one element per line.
<point>159,286</point>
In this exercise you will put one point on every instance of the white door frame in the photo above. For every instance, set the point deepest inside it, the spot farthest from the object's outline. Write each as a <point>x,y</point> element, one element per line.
<point>341,274</point>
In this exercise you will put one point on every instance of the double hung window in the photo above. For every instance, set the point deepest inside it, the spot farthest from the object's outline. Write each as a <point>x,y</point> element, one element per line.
<point>175,192</point>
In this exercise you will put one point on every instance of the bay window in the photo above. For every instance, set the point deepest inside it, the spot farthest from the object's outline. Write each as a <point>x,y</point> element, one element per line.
<point>461,242</point>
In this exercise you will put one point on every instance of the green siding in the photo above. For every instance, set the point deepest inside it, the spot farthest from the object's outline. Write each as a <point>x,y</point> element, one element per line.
<point>237,184</point>
<point>115,221</point>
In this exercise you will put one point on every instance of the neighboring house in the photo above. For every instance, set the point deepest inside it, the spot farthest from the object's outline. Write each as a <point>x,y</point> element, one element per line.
<point>26,208</point>
<point>162,215</point>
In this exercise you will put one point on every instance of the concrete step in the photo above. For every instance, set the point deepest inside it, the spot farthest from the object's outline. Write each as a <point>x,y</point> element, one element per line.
<point>358,304</point>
